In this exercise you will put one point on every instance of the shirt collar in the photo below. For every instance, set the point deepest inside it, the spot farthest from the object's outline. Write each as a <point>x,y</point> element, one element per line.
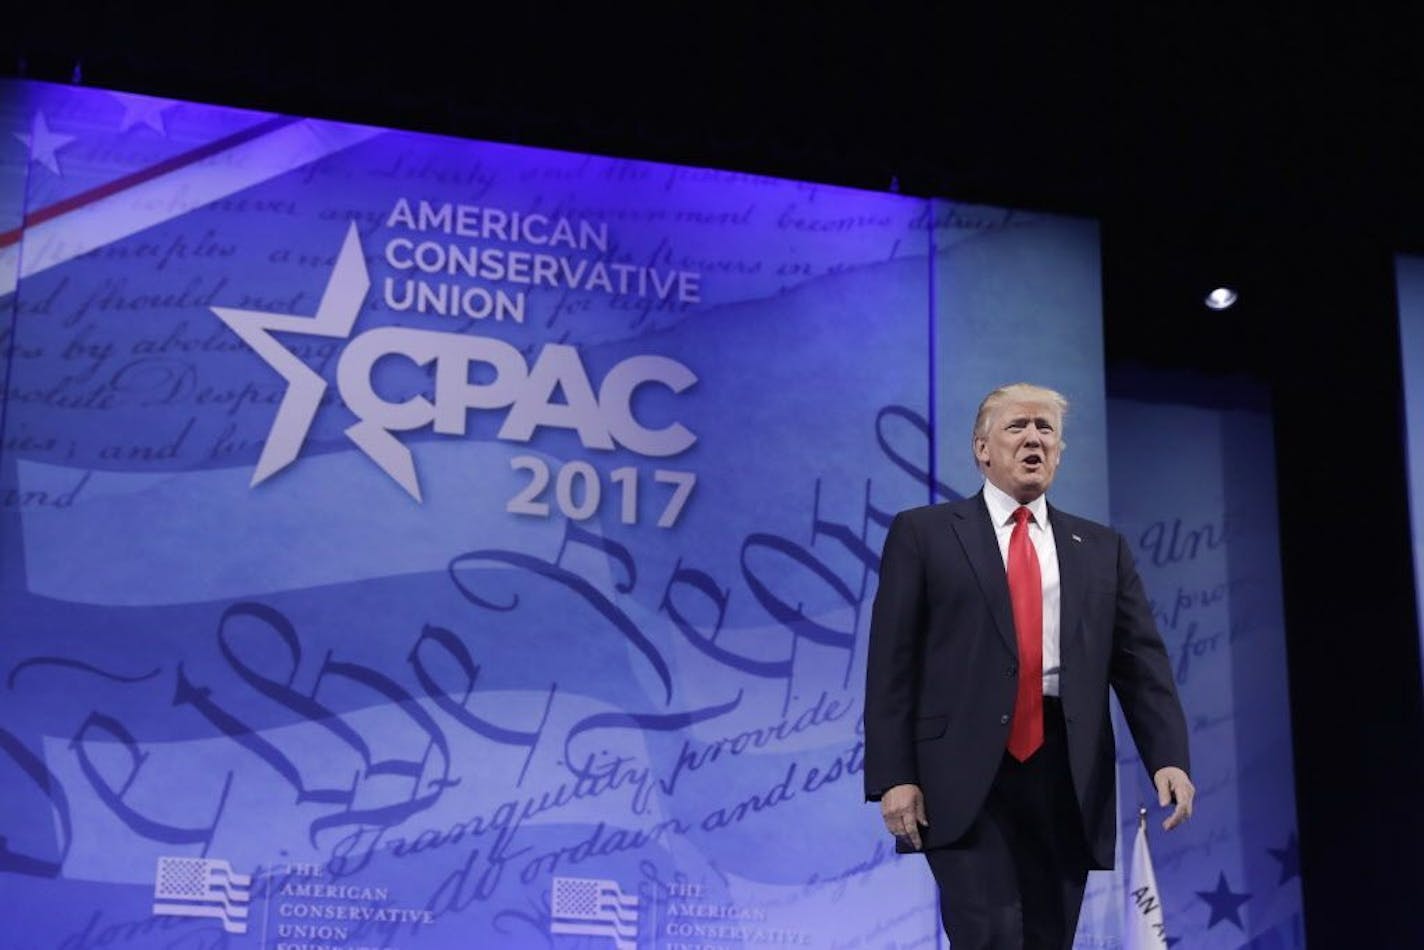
<point>1002,506</point>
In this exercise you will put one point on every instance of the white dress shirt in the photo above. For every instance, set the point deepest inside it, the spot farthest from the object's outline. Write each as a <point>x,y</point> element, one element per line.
<point>1001,511</point>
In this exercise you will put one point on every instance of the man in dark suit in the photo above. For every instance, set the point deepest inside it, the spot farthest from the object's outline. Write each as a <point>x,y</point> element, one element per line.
<point>999,626</point>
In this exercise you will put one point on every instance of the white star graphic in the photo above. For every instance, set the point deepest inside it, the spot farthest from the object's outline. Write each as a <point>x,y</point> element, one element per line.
<point>335,316</point>
<point>43,143</point>
<point>142,110</point>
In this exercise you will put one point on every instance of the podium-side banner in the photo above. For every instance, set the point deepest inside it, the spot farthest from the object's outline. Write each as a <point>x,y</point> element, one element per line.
<point>418,542</point>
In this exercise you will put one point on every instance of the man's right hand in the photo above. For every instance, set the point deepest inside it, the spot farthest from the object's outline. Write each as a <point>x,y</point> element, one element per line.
<point>903,808</point>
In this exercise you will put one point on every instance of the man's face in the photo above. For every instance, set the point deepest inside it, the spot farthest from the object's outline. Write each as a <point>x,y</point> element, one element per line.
<point>1020,452</point>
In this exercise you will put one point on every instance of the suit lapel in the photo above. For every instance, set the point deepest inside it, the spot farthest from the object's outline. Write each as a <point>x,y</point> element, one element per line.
<point>971,523</point>
<point>1072,582</point>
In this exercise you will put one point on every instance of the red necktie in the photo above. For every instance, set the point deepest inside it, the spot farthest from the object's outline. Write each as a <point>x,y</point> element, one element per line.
<point>1026,594</point>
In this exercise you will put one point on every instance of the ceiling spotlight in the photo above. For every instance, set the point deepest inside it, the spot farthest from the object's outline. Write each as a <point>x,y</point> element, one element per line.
<point>1220,298</point>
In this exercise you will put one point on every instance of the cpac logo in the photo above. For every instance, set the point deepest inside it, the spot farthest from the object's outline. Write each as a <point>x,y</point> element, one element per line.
<point>603,420</point>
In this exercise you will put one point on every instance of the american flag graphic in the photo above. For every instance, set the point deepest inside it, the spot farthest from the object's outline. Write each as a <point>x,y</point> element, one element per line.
<point>202,887</point>
<point>594,907</point>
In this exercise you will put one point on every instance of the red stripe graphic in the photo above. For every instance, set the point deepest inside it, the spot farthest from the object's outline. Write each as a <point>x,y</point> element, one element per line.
<point>147,174</point>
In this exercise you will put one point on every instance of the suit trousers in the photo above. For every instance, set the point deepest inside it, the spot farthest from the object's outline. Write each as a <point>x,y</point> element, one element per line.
<point>1015,880</point>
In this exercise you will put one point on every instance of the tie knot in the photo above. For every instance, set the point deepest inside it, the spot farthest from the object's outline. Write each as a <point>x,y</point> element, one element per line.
<point>1022,515</point>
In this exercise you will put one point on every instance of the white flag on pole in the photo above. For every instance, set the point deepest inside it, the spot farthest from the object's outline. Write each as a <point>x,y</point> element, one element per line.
<point>1145,928</point>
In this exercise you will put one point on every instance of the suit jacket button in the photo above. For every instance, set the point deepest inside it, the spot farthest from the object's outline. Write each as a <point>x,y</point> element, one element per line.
<point>1012,671</point>
<point>1003,719</point>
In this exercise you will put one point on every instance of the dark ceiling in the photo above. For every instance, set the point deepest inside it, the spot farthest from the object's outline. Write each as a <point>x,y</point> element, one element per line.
<point>1210,141</point>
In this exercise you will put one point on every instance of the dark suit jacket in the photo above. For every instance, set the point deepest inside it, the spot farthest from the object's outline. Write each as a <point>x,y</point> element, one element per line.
<point>942,673</point>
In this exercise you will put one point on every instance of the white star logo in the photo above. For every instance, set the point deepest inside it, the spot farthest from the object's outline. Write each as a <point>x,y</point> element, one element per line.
<point>335,317</point>
<point>602,418</point>
<point>43,143</point>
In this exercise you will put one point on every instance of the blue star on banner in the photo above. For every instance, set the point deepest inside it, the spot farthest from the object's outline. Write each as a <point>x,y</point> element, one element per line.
<point>142,110</point>
<point>1289,856</point>
<point>43,143</point>
<point>1225,903</point>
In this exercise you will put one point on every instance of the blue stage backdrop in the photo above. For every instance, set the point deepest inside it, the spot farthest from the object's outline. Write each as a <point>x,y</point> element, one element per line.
<point>425,543</point>
<point>1409,286</point>
<point>1193,490</point>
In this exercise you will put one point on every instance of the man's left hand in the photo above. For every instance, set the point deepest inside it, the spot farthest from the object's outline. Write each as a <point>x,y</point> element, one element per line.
<point>1174,786</point>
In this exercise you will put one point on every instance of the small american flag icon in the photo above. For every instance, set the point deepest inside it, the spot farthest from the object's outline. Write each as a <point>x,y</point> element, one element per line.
<point>594,907</point>
<point>202,887</point>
